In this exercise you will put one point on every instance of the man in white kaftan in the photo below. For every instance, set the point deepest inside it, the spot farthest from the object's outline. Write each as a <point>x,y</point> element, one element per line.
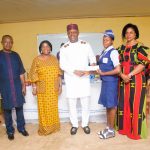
<point>75,57</point>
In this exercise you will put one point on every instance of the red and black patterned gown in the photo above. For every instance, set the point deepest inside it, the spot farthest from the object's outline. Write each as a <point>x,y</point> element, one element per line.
<point>131,112</point>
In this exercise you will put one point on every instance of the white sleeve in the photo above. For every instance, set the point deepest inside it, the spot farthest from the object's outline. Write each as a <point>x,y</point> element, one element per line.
<point>92,57</point>
<point>64,65</point>
<point>115,58</point>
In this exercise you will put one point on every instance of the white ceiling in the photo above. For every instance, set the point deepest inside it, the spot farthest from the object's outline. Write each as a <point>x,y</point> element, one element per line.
<point>31,10</point>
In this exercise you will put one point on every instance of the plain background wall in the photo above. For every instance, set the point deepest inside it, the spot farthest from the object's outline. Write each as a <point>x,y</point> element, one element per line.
<point>25,33</point>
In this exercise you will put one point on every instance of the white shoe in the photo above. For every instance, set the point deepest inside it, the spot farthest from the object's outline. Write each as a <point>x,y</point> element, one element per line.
<point>108,134</point>
<point>103,131</point>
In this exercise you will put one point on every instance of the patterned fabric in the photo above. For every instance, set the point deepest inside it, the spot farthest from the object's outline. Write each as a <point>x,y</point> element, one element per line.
<point>45,74</point>
<point>131,113</point>
<point>11,68</point>
<point>148,65</point>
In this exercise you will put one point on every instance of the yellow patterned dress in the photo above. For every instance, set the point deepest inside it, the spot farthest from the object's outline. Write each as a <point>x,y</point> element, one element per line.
<point>45,73</point>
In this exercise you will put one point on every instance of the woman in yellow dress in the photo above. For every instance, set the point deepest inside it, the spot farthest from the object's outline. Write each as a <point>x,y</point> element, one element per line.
<point>45,76</point>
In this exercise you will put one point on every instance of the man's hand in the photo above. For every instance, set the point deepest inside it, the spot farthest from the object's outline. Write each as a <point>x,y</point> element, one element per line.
<point>79,73</point>
<point>86,73</point>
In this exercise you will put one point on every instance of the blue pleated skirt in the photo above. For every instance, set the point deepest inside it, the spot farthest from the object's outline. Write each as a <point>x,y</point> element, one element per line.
<point>109,94</point>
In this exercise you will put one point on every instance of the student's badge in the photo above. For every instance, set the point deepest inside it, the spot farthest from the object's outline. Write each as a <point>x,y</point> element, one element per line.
<point>105,60</point>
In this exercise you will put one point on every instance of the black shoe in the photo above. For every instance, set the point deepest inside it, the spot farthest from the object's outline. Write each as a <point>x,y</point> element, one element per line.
<point>11,136</point>
<point>73,130</point>
<point>87,130</point>
<point>24,133</point>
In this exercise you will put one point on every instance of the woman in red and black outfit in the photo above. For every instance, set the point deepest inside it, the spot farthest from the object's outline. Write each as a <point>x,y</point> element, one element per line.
<point>131,115</point>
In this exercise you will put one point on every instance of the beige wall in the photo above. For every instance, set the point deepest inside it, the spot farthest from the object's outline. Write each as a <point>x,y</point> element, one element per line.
<point>25,33</point>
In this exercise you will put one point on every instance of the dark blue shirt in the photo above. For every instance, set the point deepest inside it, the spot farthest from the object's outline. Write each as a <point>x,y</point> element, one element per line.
<point>11,68</point>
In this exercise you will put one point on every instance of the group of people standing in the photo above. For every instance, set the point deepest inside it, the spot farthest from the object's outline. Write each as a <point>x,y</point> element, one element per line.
<point>122,72</point>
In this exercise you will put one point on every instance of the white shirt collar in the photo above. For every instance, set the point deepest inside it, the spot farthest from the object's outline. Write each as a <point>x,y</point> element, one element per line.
<point>109,48</point>
<point>106,50</point>
<point>75,42</point>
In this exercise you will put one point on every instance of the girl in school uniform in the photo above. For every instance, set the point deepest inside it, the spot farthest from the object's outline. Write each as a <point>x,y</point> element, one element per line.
<point>109,69</point>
